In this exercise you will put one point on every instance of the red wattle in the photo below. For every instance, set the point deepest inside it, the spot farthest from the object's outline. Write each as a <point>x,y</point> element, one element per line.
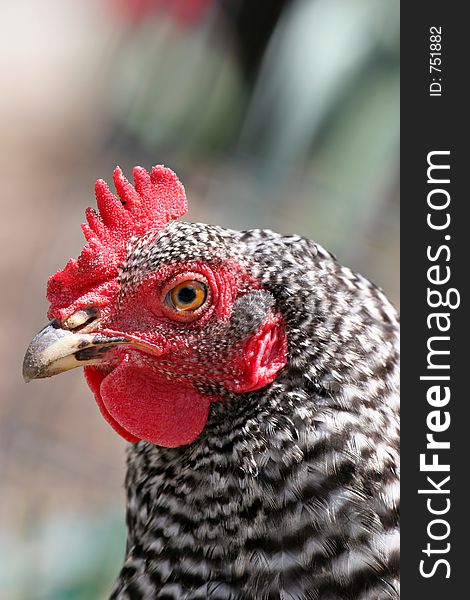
<point>140,405</point>
<point>94,378</point>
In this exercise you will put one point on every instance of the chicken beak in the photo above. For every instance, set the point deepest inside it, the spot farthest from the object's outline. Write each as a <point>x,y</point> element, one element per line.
<point>55,350</point>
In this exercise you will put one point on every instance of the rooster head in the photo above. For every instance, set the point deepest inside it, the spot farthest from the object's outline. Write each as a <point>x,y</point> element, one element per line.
<point>166,317</point>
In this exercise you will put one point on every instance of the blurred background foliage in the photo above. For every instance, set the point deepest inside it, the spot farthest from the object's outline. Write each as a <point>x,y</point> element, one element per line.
<point>280,114</point>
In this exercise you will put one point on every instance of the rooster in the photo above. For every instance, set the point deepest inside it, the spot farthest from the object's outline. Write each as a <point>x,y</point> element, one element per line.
<point>256,380</point>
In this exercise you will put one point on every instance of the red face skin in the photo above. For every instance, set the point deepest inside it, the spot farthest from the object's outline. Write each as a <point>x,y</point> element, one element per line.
<point>153,391</point>
<point>159,387</point>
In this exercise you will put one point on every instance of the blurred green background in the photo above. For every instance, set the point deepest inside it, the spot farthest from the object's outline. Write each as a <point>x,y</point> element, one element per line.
<point>274,114</point>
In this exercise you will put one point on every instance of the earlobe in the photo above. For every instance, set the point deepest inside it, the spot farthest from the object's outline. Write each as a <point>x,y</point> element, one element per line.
<point>264,355</point>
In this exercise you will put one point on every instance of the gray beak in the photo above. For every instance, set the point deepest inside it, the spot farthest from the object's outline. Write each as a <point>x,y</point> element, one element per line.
<point>55,350</point>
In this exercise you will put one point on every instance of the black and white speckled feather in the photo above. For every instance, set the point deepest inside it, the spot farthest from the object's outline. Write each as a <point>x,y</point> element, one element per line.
<point>290,492</point>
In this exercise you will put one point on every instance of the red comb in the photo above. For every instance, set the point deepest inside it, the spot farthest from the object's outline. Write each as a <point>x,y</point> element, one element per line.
<point>157,198</point>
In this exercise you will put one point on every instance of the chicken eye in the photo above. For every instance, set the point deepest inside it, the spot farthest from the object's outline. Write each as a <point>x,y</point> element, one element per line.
<point>188,295</point>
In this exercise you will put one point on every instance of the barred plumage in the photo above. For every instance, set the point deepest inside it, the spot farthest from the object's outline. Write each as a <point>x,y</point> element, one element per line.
<point>290,491</point>
<point>262,411</point>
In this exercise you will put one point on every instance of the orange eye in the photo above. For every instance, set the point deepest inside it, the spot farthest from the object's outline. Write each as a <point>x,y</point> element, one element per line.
<point>187,295</point>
